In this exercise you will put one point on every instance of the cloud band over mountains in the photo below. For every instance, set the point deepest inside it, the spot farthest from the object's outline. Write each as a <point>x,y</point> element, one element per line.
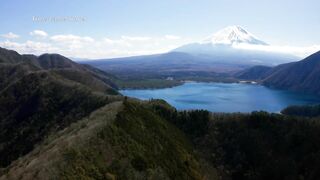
<point>77,46</point>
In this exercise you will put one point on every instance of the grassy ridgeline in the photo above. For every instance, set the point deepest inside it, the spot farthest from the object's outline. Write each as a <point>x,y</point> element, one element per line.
<point>123,140</point>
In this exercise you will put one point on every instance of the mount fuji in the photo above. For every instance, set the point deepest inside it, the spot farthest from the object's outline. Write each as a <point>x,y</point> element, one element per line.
<point>233,35</point>
<point>226,46</point>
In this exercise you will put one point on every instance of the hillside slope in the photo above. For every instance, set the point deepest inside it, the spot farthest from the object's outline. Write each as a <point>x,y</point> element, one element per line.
<point>123,140</point>
<point>38,98</point>
<point>301,76</point>
<point>36,105</point>
<point>14,66</point>
<point>254,73</point>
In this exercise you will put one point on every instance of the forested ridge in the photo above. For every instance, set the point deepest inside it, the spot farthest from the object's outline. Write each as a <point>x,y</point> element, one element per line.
<point>258,145</point>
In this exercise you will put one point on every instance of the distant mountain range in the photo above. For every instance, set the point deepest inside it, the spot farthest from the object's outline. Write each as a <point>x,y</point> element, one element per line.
<point>217,53</point>
<point>164,64</point>
<point>302,76</point>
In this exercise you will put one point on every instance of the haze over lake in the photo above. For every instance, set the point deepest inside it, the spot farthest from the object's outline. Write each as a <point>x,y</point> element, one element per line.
<point>223,97</point>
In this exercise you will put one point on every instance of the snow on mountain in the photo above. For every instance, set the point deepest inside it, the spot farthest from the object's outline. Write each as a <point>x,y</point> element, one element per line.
<point>233,35</point>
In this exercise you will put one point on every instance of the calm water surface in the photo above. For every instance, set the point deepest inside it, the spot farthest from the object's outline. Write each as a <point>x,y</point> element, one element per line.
<point>223,97</point>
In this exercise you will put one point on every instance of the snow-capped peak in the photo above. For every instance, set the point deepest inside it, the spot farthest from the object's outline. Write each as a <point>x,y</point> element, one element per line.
<point>233,35</point>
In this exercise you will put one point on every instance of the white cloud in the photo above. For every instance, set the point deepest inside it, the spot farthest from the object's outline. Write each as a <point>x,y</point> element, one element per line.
<point>117,42</point>
<point>136,38</point>
<point>67,38</point>
<point>39,33</point>
<point>29,47</point>
<point>86,47</point>
<point>10,35</point>
<point>173,37</point>
<point>72,42</point>
<point>294,50</point>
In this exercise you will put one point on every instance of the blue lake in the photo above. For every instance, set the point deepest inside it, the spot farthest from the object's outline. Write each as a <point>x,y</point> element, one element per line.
<point>223,97</point>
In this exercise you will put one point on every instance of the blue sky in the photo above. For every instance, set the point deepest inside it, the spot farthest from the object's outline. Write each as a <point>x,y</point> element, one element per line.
<point>112,28</point>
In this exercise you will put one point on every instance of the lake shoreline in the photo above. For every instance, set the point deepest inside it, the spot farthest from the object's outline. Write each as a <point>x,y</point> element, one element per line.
<point>181,82</point>
<point>225,97</point>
